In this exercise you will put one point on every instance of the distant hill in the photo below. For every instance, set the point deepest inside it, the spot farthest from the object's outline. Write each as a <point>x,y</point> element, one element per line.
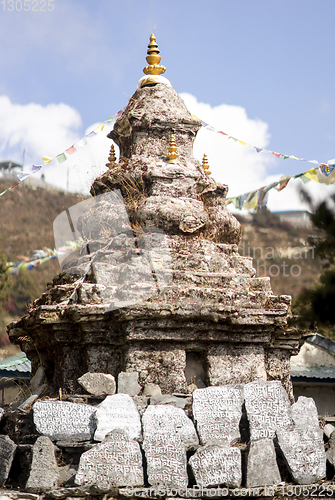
<point>26,224</point>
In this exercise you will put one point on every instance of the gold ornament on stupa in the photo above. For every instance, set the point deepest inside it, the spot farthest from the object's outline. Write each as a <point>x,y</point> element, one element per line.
<point>205,165</point>
<point>172,154</point>
<point>153,59</point>
<point>111,158</point>
<point>153,72</point>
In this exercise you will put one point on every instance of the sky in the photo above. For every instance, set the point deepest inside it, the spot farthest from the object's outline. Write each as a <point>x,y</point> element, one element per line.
<point>260,70</point>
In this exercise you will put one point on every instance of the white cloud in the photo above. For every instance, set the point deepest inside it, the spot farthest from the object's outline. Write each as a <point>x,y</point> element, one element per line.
<point>241,167</point>
<point>40,130</point>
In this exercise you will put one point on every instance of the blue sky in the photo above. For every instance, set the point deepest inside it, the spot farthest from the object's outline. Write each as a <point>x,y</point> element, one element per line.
<point>80,62</point>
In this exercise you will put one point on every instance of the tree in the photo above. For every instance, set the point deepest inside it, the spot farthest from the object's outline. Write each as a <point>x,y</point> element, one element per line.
<point>23,291</point>
<point>317,304</point>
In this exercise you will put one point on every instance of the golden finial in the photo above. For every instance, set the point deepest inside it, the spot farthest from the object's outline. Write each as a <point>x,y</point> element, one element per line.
<point>172,154</point>
<point>205,165</point>
<point>153,59</point>
<point>111,158</point>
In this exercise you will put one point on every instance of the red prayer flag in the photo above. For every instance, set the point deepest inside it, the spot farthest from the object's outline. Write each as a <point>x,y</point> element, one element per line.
<point>219,132</point>
<point>71,150</point>
<point>276,154</point>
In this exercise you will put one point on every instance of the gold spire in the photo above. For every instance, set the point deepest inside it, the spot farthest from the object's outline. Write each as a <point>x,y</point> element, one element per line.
<point>111,158</point>
<point>172,154</point>
<point>205,165</point>
<point>153,59</point>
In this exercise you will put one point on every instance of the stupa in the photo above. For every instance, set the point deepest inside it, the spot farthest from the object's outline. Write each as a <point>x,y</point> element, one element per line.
<point>156,285</point>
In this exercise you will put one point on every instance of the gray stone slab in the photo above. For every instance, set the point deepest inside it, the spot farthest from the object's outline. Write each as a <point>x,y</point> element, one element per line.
<point>305,414</point>
<point>127,383</point>
<point>166,399</point>
<point>98,384</point>
<point>169,419</point>
<point>64,420</point>
<point>117,412</point>
<point>330,453</point>
<point>217,412</point>
<point>328,430</point>
<point>115,462</point>
<point>151,390</point>
<point>216,465</point>
<point>268,408</point>
<point>304,452</point>
<point>166,461</point>
<point>44,474</point>
<point>262,467</point>
<point>7,452</point>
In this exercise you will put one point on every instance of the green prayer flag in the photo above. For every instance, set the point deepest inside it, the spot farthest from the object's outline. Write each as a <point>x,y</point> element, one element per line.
<point>60,158</point>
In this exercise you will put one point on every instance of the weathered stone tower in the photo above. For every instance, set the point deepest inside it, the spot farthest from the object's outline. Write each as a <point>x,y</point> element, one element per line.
<point>158,286</point>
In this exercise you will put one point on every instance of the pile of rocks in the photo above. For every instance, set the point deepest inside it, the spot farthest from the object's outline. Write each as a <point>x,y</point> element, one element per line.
<point>233,436</point>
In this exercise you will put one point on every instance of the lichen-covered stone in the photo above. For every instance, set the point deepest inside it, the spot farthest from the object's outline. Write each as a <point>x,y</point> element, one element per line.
<point>117,412</point>
<point>262,468</point>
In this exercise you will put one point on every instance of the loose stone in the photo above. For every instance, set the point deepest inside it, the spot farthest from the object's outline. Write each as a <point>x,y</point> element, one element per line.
<point>168,419</point>
<point>98,384</point>
<point>262,468</point>
<point>217,412</point>
<point>7,451</point>
<point>117,412</point>
<point>268,408</point>
<point>115,462</point>
<point>44,474</point>
<point>216,465</point>
<point>63,420</point>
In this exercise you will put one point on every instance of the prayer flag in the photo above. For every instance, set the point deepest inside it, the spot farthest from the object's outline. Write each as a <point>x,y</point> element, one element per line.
<point>220,132</point>
<point>258,149</point>
<point>91,134</point>
<point>276,154</point>
<point>243,143</point>
<point>100,128</point>
<point>71,150</point>
<point>234,138</point>
<point>61,158</point>
<point>47,159</point>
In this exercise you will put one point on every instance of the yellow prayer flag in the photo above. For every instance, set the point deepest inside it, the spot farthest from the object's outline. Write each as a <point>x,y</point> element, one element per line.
<point>312,174</point>
<point>294,157</point>
<point>100,128</point>
<point>243,143</point>
<point>47,159</point>
<point>252,203</point>
<point>196,117</point>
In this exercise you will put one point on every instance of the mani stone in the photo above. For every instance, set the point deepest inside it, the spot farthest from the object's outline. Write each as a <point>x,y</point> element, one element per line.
<point>268,408</point>
<point>304,453</point>
<point>127,383</point>
<point>215,465</point>
<point>117,412</point>
<point>217,412</point>
<point>305,414</point>
<point>262,467</point>
<point>64,420</point>
<point>7,452</point>
<point>166,460</point>
<point>44,474</point>
<point>172,420</point>
<point>115,462</point>
<point>98,384</point>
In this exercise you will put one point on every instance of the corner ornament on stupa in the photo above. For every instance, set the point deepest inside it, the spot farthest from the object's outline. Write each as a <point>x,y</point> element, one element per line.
<point>157,285</point>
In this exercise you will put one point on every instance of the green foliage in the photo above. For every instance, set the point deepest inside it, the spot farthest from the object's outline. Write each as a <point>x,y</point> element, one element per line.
<point>317,304</point>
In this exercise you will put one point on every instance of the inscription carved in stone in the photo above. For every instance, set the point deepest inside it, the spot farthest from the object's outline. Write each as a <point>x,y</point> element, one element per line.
<point>63,420</point>
<point>166,460</point>
<point>168,419</point>
<point>268,408</point>
<point>216,465</point>
<point>117,412</point>
<point>304,452</point>
<point>217,412</point>
<point>115,462</point>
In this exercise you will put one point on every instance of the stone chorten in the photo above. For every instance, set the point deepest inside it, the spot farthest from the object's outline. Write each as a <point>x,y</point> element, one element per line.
<point>158,286</point>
